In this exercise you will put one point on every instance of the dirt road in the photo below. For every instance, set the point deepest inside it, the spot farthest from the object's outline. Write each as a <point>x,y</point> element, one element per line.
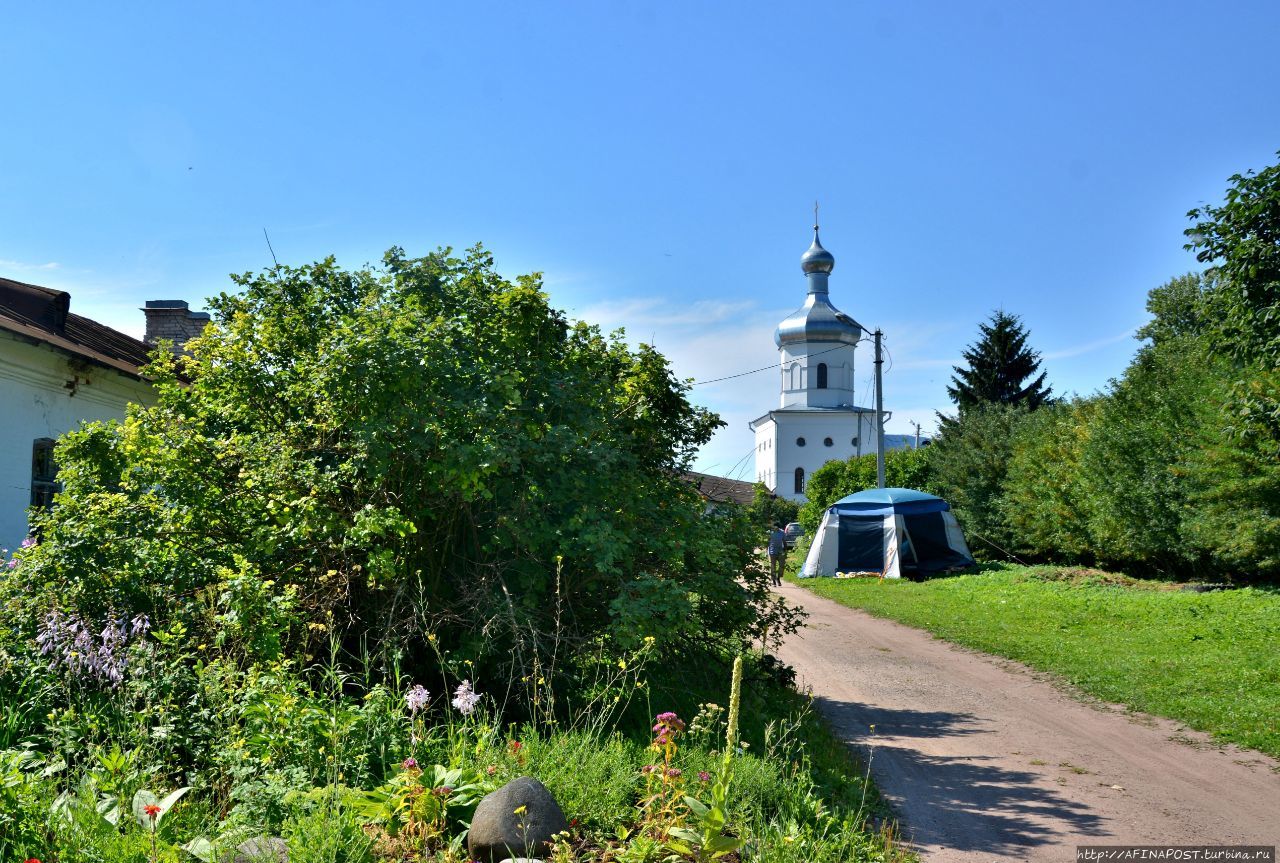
<point>984,759</point>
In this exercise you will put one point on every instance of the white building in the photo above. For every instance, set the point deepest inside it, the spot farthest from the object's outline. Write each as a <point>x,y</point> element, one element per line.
<point>58,369</point>
<point>816,420</point>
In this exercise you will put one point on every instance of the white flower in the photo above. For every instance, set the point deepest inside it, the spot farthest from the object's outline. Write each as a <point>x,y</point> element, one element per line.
<point>416,698</point>
<point>466,699</point>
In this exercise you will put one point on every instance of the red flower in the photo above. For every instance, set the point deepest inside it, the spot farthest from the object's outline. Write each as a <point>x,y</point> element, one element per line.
<point>516,746</point>
<point>153,811</point>
<point>32,860</point>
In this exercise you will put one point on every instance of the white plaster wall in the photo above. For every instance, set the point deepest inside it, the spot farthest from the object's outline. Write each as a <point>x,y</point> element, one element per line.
<point>34,403</point>
<point>841,426</point>
<point>766,453</point>
<point>799,375</point>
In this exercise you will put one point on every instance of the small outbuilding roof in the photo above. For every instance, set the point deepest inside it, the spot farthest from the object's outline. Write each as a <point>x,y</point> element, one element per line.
<point>718,489</point>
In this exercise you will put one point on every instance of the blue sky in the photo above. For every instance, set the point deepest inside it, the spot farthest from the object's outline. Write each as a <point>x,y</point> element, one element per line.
<point>658,162</point>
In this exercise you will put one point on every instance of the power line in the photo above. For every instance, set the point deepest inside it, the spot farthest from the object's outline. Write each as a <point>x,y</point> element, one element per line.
<point>765,368</point>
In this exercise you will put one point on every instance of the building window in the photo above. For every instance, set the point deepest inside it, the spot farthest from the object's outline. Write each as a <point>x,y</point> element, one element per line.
<point>44,473</point>
<point>799,480</point>
<point>822,376</point>
<point>828,442</point>
<point>854,441</point>
<point>799,441</point>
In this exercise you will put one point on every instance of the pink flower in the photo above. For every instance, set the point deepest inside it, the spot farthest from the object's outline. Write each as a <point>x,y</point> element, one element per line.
<point>673,772</point>
<point>409,764</point>
<point>704,776</point>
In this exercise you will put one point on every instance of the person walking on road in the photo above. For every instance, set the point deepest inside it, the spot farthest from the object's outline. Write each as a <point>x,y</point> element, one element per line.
<point>777,554</point>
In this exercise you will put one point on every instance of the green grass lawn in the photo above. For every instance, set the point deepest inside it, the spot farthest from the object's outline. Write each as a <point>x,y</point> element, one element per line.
<point>1211,660</point>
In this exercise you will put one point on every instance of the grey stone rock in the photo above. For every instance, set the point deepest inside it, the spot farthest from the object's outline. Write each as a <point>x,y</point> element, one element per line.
<point>262,849</point>
<point>498,832</point>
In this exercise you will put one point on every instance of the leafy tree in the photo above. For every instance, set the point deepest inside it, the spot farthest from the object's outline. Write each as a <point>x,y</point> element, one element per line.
<point>423,448</point>
<point>1235,512</point>
<point>1182,306</point>
<point>767,509</point>
<point>969,461</point>
<point>1134,463</point>
<point>904,468</point>
<point>1044,503</point>
<point>999,364</point>
<point>1241,238</point>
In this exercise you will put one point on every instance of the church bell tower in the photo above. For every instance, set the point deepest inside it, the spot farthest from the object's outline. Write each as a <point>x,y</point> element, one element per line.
<point>816,420</point>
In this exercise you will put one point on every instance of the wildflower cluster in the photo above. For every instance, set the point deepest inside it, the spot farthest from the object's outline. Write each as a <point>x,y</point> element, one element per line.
<point>416,699</point>
<point>663,803</point>
<point>73,644</point>
<point>706,727</point>
<point>667,727</point>
<point>466,698</point>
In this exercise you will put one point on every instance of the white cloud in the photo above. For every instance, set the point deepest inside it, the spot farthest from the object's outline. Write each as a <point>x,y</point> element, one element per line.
<point>23,266</point>
<point>1089,347</point>
<point>641,314</point>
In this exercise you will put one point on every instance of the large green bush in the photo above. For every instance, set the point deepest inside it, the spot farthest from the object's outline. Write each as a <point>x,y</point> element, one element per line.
<point>969,462</point>
<point>1044,503</point>
<point>367,458</point>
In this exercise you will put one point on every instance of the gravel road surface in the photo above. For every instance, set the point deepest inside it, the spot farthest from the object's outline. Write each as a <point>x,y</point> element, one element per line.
<point>984,759</point>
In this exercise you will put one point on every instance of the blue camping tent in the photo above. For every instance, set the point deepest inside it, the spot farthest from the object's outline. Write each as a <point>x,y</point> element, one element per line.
<point>888,531</point>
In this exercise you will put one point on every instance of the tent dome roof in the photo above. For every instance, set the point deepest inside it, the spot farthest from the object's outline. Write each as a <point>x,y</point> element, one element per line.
<point>887,495</point>
<point>883,501</point>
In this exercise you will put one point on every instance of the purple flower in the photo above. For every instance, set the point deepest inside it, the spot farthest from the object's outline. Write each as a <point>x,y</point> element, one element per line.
<point>704,776</point>
<point>466,698</point>
<point>28,542</point>
<point>84,651</point>
<point>409,764</point>
<point>416,698</point>
<point>674,772</point>
<point>667,727</point>
<point>647,769</point>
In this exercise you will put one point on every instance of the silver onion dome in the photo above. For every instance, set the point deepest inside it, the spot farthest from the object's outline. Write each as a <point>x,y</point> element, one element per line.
<point>817,259</point>
<point>817,320</point>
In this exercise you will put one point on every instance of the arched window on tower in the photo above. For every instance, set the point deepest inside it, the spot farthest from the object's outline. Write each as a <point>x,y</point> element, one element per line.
<point>799,480</point>
<point>795,376</point>
<point>822,376</point>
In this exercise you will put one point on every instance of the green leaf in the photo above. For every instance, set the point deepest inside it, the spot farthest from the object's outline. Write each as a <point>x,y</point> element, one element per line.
<point>696,806</point>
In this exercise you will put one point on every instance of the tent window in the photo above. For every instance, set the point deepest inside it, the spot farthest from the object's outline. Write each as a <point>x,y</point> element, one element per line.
<point>822,376</point>
<point>799,480</point>
<point>44,473</point>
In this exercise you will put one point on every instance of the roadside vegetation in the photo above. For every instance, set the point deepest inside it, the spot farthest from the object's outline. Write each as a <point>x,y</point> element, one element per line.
<point>1172,471</point>
<point>1206,659</point>
<point>387,539</point>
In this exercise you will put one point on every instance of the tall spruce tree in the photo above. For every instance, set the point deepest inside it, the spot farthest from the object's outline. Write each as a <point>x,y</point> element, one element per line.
<point>999,365</point>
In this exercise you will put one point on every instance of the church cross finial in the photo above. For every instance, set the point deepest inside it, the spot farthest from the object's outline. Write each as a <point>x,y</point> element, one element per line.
<point>815,215</point>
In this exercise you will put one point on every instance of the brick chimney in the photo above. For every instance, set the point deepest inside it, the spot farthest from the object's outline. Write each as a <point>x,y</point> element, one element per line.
<point>171,319</point>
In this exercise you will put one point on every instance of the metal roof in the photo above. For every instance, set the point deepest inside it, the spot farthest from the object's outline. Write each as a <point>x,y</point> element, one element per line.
<point>43,315</point>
